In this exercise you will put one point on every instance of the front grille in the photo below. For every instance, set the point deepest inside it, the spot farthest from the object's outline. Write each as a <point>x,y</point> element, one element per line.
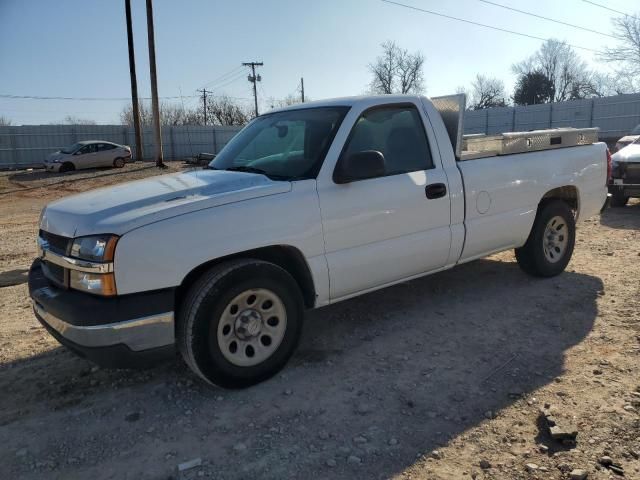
<point>55,273</point>
<point>632,173</point>
<point>56,243</point>
<point>61,246</point>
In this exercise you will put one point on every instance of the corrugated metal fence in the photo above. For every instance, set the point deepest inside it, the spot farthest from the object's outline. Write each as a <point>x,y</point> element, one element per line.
<point>615,116</point>
<point>28,145</point>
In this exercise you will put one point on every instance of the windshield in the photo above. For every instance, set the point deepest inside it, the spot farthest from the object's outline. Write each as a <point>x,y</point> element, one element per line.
<point>72,148</point>
<point>288,145</point>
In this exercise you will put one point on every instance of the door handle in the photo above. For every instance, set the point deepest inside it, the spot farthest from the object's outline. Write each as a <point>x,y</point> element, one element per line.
<point>435,190</point>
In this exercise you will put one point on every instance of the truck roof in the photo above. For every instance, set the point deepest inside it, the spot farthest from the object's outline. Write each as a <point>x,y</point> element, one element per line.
<point>349,101</point>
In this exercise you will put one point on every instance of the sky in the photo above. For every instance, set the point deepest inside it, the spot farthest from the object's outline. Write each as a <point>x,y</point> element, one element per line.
<point>78,48</point>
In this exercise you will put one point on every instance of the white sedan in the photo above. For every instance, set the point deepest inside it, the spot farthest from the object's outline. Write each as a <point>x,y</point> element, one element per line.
<point>88,154</point>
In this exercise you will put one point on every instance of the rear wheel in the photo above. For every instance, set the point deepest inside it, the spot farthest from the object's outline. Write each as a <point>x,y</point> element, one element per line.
<point>67,167</point>
<point>118,162</point>
<point>550,244</point>
<point>240,322</point>
<point>618,199</point>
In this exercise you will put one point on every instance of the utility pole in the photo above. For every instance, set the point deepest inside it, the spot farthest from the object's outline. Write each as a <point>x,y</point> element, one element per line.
<point>157,134</point>
<point>302,88</point>
<point>135,107</point>
<point>253,79</point>
<point>204,102</point>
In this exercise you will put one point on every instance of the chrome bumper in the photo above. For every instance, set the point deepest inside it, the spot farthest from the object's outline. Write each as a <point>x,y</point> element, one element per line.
<point>138,334</point>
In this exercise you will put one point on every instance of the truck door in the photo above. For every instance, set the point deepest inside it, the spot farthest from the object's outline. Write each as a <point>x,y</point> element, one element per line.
<point>394,226</point>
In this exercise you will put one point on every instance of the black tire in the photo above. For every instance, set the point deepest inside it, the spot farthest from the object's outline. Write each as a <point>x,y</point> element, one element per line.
<point>67,167</point>
<point>618,199</point>
<point>532,257</point>
<point>206,301</point>
<point>118,162</point>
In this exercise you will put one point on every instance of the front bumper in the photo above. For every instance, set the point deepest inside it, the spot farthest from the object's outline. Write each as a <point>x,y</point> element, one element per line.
<point>625,189</point>
<point>51,167</point>
<point>134,330</point>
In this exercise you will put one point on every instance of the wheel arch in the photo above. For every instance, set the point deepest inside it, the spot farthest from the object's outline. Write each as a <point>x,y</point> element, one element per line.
<point>567,193</point>
<point>285,256</point>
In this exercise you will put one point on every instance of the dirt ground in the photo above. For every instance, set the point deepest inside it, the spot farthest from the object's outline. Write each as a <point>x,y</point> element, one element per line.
<point>439,378</point>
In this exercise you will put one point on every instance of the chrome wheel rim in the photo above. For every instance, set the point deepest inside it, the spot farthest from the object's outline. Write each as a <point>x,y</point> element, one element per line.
<point>252,327</point>
<point>555,239</point>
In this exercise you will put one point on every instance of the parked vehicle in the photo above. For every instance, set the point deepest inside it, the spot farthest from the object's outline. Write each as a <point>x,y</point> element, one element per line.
<point>628,139</point>
<point>305,207</point>
<point>625,175</point>
<point>88,154</point>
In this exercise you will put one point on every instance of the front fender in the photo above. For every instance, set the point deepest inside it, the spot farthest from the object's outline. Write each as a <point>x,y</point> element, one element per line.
<point>161,254</point>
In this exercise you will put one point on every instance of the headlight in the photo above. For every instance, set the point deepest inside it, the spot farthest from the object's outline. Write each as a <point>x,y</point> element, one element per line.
<point>96,248</point>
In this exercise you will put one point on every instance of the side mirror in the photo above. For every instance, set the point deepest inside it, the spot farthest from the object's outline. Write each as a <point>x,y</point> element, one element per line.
<point>360,166</point>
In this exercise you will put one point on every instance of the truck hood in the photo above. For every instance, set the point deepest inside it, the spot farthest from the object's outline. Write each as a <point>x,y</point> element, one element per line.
<point>121,208</point>
<point>629,154</point>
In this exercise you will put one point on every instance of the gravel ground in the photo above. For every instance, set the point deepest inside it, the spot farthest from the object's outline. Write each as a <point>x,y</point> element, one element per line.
<point>448,377</point>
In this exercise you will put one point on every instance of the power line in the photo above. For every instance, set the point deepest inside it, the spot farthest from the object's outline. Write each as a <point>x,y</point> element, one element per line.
<point>100,99</point>
<point>608,8</point>
<point>482,24</point>
<point>546,18</point>
<point>223,77</point>
<point>230,81</point>
<point>105,99</point>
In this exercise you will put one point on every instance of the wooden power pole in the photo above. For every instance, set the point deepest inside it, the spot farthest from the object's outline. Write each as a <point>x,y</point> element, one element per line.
<point>157,133</point>
<point>204,103</point>
<point>253,79</point>
<point>135,106</point>
<point>302,88</point>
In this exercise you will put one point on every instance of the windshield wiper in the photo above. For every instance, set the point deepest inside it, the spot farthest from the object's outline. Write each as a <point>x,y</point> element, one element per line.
<point>245,168</point>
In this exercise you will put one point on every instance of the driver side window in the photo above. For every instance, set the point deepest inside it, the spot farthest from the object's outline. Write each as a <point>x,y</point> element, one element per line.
<point>395,131</point>
<point>87,149</point>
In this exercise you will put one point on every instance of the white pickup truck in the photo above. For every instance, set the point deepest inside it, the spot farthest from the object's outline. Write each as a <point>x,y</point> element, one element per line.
<point>305,207</point>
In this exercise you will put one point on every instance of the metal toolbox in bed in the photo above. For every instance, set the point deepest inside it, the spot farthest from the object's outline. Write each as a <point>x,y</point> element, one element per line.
<point>536,140</point>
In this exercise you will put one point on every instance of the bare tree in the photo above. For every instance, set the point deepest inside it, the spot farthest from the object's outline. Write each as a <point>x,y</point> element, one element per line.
<point>126,115</point>
<point>487,92</point>
<point>397,70</point>
<point>170,114</point>
<point>568,73</point>
<point>4,121</point>
<point>220,111</point>
<point>626,54</point>
<point>224,111</point>
<point>291,99</point>
<point>73,120</point>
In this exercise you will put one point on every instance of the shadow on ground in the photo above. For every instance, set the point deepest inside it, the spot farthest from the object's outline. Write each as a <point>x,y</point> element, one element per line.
<point>406,368</point>
<point>627,217</point>
<point>14,277</point>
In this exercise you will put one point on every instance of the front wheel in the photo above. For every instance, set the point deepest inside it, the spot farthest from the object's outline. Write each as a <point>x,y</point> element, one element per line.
<point>118,162</point>
<point>550,244</point>
<point>240,322</point>
<point>67,167</point>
